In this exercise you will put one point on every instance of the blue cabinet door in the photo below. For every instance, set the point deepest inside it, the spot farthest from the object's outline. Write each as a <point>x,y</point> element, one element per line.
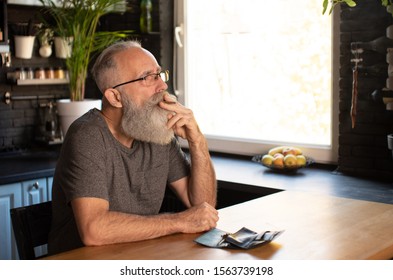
<point>10,197</point>
<point>18,195</point>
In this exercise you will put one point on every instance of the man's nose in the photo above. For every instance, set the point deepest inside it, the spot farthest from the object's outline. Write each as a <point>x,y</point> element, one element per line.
<point>162,85</point>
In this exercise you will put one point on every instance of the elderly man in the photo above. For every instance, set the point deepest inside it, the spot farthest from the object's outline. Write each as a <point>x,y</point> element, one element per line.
<point>115,163</point>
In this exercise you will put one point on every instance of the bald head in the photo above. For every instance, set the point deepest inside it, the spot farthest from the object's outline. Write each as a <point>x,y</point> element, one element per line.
<point>106,66</point>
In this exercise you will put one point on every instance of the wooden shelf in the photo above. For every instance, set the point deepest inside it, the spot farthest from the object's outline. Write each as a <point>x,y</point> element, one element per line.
<point>41,82</point>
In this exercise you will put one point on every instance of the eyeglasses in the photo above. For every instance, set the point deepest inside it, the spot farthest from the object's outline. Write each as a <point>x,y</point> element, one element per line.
<point>149,79</point>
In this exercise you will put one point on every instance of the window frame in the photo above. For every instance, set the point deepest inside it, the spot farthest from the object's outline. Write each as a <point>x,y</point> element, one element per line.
<point>247,147</point>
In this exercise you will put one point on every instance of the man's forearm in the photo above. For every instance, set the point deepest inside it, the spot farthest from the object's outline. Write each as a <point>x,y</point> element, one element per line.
<point>115,227</point>
<point>108,227</point>
<point>203,184</point>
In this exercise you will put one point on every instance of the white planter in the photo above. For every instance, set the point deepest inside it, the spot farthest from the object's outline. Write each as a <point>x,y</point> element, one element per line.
<point>63,47</point>
<point>69,111</point>
<point>24,46</point>
<point>45,50</point>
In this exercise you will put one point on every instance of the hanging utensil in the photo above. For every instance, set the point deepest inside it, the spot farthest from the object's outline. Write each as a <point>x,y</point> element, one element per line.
<point>356,52</point>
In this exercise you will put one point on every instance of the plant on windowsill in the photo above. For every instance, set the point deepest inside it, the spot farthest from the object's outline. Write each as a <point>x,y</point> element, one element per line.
<point>78,20</point>
<point>352,3</point>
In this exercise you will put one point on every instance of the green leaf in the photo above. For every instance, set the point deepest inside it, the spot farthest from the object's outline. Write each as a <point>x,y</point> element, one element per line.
<point>325,5</point>
<point>350,3</point>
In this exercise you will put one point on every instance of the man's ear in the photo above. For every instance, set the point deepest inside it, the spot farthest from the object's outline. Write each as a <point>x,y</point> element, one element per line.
<point>114,97</point>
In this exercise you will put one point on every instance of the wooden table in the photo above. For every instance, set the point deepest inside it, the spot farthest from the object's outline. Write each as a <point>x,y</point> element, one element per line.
<point>316,227</point>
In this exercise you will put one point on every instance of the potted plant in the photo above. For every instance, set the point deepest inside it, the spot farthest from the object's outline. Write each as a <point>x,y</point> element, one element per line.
<point>352,3</point>
<point>45,37</point>
<point>24,38</point>
<point>78,20</point>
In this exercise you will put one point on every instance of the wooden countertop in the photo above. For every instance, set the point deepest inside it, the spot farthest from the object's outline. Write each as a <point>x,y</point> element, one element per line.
<point>316,227</point>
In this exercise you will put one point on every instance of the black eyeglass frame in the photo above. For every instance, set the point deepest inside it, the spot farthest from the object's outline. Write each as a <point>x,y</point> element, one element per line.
<point>159,74</point>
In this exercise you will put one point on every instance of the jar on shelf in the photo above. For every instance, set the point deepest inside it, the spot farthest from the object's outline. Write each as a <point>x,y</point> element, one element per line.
<point>59,73</point>
<point>39,73</point>
<point>29,73</point>
<point>20,74</point>
<point>49,73</point>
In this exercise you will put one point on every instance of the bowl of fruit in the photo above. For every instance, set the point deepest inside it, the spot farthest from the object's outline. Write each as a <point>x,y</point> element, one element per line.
<point>284,158</point>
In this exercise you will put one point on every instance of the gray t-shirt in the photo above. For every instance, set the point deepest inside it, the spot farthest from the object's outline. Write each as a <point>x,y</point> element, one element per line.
<point>93,163</point>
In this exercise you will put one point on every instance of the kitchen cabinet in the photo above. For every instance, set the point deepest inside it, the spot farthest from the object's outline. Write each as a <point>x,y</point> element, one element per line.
<point>16,195</point>
<point>10,197</point>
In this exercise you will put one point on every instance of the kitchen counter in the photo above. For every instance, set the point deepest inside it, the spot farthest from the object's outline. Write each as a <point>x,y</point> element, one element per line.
<point>239,172</point>
<point>27,166</point>
<point>317,178</point>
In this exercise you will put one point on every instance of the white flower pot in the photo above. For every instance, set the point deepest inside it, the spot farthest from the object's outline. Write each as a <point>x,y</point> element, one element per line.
<point>24,46</point>
<point>45,50</point>
<point>69,111</point>
<point>63,47</point>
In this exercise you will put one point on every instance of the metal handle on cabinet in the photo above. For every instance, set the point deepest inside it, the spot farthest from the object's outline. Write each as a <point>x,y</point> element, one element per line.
<point>36,185</point>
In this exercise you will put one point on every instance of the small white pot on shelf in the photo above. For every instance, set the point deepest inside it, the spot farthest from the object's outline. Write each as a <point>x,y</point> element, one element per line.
<point>63,47</point>
<point>24,46</point>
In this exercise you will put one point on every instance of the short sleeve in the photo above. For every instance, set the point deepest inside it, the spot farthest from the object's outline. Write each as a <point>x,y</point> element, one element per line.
<point>81,171</point>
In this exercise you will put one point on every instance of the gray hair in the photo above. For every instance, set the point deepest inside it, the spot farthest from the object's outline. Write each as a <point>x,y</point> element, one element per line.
<point>104,67</point>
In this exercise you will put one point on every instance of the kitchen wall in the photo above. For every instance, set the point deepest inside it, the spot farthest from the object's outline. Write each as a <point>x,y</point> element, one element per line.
<point>363,149</point>
<point>20,119</point>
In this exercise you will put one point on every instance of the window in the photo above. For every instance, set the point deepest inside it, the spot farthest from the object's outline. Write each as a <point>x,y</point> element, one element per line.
<point>258,74</point>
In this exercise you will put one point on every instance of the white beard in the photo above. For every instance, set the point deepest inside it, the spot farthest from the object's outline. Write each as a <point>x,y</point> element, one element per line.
<point>146,123</point>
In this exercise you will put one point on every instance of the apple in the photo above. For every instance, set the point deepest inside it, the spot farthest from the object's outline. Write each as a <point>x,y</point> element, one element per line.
<point>278,160</point>
<point>267,160</point>
<point>288,151</point>
<point>278,155</point>
<point>290,161</point>
<point>292,151</point>
<point>301,160</point>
